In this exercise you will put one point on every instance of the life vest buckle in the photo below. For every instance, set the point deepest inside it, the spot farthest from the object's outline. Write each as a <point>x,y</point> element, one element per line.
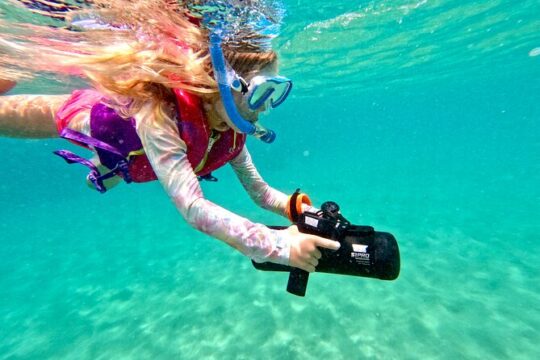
<point>207,177</point>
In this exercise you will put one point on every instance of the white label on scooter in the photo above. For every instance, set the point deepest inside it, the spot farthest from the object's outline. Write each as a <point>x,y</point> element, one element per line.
<point>312,221</point>
<point>359,248</point>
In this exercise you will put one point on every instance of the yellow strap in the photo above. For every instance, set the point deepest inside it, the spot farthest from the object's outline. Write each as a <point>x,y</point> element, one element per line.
<point>136,152</point>
<point>201,164</point>
<point>211,143</point>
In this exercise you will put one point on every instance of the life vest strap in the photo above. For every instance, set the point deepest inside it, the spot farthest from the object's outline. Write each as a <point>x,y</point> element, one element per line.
<point>207,177</point>
<point>94,176</point>
<point>69,134</point>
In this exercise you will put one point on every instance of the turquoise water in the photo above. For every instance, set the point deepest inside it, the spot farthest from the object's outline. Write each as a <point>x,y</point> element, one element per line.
<point>420,118</point>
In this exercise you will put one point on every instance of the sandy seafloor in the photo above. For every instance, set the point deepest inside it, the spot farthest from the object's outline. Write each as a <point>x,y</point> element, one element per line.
<point>450,166</point>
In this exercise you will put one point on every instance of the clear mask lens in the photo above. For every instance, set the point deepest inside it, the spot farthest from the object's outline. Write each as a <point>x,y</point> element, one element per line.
<point>270,92</point>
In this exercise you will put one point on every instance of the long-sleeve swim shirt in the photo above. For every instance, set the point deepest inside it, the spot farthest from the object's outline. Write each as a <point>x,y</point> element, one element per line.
<point>167,154</point>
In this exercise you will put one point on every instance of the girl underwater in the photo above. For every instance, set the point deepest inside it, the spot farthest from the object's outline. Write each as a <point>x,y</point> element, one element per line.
<point>172,97</point>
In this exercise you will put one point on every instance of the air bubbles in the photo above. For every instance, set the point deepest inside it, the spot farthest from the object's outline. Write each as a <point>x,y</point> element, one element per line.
<point>534,52</point>
<point>238,21</point>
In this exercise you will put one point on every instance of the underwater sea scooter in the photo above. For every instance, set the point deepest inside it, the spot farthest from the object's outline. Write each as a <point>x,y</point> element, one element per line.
<point>364,252</point>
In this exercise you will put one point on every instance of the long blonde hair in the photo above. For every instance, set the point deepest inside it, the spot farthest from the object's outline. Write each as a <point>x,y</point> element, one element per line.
<point>148,48</point>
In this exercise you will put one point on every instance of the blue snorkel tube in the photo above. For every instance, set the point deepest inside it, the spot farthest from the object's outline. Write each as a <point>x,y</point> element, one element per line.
<point>222,77</point>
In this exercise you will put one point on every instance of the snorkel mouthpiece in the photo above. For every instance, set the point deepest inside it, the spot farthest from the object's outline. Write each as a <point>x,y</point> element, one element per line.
<point>223,78</point>
<point>264,134</point>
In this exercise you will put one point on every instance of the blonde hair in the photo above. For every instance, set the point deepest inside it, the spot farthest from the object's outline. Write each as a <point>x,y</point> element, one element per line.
<point>150,47</point>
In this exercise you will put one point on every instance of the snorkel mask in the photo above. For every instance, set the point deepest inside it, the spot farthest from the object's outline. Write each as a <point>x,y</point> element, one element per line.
<point>269,92</point>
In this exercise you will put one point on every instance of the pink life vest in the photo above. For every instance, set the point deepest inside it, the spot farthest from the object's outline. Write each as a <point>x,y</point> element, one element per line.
<point>196,132</point>
<point>120,149</point>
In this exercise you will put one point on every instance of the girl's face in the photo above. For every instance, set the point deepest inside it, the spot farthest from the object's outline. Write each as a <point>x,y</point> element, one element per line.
<point>222,122</point>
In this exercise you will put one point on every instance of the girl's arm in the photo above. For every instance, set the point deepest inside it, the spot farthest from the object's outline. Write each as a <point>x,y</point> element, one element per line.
<point>29,116</point>
<point>261,193</point>
<point>167,154</point>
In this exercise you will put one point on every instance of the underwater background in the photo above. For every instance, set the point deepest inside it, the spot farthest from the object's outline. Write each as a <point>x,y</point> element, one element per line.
<point>420,118</point>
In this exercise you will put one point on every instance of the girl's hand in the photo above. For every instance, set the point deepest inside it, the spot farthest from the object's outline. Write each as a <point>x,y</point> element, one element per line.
<point>6,85</point>
<point>304,253</point>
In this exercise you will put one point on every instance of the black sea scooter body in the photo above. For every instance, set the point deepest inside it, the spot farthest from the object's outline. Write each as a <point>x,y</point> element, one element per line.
<point>364,252</point>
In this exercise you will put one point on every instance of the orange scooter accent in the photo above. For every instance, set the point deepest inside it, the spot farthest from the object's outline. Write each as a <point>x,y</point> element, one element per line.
<point>294,205</point>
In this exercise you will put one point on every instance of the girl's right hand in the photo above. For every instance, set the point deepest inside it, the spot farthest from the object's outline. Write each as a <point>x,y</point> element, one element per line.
<point>6,85</point>
<point>304,253</point>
